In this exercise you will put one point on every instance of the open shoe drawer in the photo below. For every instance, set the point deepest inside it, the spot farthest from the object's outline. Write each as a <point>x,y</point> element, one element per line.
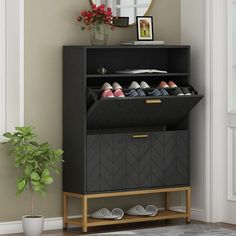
<point>126,112</point>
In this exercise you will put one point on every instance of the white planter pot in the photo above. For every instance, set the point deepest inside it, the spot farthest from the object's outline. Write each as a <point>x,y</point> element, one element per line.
<point>32,226</point>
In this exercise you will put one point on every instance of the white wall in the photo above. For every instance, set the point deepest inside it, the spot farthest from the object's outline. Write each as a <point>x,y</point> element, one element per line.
<point>193,33</point>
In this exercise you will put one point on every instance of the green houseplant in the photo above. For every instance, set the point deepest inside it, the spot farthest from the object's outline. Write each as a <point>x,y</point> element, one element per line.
<point>37,162</point>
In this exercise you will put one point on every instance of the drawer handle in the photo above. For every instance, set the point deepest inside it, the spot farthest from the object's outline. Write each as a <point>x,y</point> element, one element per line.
<point>140,136</point>
<point>153,101</point>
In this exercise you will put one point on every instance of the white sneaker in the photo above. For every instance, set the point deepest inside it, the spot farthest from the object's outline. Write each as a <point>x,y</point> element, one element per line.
<point>144,85</point>
<point>134,85</point>
<point>106,86</point>
<point>116,86</point>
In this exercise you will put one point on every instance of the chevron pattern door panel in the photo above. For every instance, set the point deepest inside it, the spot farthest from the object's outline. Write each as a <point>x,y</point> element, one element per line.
<point>132,166</point>
<point>170,161</point>
<point>182,156</point>
<point>106,162</point>
<point>138,155</point>
<point>119,162</point>
<point>176,158</point>
<point>93,163</point>
<point>157,162</point>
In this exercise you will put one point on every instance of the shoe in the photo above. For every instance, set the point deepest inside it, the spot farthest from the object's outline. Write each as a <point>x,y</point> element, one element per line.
<point>134,85</point>
<point>172,84</point>
<point>107,94</point>
<point>103,213</point>
<point>118,213</point>
<point>155,93</point>
<point>137,211</point>
<point>164,92</point>
<point>144,85</point>
<point>141,93</point>
<point>118,93</point>
<point>116,86</point>
<point>151,210</point>
<point>106,86</point>
<point>186,91</point>
<point>177,92</point>
<point>163,84</point>
<point>132,93</point>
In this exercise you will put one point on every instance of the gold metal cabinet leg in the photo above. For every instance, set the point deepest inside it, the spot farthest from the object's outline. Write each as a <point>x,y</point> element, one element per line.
<point>188,205</point>
<point>65,210</point>
<point>167,201</point>
<point>85,214</point>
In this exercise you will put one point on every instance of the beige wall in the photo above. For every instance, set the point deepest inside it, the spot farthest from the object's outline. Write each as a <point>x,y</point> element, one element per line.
<point>48,26</point>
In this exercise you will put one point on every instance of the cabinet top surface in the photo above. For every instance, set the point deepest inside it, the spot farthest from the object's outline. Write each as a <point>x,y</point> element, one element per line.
<point>125,46</point>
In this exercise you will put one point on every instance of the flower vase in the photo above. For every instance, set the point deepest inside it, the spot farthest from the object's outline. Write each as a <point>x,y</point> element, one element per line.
<point>99,34</point>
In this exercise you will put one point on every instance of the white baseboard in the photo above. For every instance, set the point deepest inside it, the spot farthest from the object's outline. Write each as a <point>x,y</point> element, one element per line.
<point>15,227</point>
<point>196,214</point>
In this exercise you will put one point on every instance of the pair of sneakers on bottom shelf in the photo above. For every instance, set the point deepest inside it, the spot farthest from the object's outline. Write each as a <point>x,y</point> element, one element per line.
<point>109,91</point>
<point>118,213</point>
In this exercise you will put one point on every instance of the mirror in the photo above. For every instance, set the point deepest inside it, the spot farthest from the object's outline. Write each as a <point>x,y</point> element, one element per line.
<point>126,8</point>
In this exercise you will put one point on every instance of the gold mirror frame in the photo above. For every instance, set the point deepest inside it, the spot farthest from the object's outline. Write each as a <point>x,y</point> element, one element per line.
<point>150,6</point>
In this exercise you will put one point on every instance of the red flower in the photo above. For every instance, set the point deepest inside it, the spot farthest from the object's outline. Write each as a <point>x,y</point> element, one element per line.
<point>94,7</point>
<point>83,13</point>
<point>99,14</point>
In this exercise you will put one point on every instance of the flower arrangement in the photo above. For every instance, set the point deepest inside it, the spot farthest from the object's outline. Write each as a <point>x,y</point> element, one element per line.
<point>98,15</point>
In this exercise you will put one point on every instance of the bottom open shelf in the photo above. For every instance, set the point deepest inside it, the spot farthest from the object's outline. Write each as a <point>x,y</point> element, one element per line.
<point>85,222</point>
<point>162,215</point>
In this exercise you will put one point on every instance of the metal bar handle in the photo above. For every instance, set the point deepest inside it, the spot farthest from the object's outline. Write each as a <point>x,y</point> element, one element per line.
<point>153,101</point>
<point>140,136</point>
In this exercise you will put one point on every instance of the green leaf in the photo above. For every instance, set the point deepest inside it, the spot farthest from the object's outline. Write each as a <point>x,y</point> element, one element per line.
<point>21,184</point>
<point>35,183</point>
<point>7,135</point>
<point>35,176</point>
<point>48,180</point>
<point>34,143</point>
<point>27,171</point>
<point>37,188</point>
<point>45,173</point>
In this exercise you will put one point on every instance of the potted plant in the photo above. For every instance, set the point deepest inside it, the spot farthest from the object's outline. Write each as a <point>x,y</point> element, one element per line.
<point>97,20</point>
<point>37,162</point>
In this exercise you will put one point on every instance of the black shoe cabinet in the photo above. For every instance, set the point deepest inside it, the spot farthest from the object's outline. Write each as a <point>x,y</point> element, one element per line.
<point>125,144</point>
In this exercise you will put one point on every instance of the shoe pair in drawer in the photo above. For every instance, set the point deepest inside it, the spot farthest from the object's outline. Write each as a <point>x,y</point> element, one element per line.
<point>109,91</point>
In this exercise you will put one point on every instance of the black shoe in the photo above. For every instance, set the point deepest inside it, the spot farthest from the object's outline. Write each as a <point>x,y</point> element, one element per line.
<point>177,92</point>
<point>164,92</point>
<point>186,91</point>
<point>141,93</point>
<point>155,93</point>
<point>132,93</point>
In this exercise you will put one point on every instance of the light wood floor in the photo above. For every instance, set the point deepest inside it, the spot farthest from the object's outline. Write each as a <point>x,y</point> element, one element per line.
<point>74,231</point>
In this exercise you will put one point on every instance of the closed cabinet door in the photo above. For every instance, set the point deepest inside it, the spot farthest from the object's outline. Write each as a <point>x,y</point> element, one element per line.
<point>176,158</point>
<point>138,158</point>
<point>183,158</point>
<point>93,163</point>
<point>106,162</point>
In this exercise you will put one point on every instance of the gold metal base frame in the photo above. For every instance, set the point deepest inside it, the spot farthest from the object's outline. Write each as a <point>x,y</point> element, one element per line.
<point>85,222</point>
